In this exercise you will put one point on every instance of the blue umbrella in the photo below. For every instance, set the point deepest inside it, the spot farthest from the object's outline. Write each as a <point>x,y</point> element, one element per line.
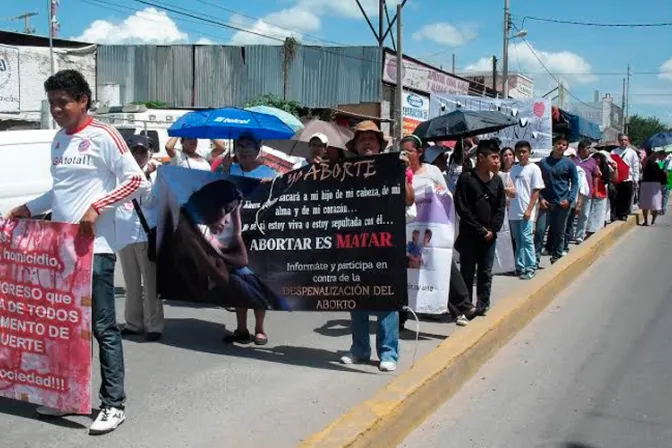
<point>287,118</point>
<point>230,123</point>
<point>658,140</point>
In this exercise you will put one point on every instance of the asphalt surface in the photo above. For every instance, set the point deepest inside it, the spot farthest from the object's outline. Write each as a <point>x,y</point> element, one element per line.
<point>594,370</point>
<point>192,390</point>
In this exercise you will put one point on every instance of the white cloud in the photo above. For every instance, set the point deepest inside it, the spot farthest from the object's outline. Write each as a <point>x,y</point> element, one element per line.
<point>346,8</point>
<point>149,26</point>
<point>291,22</point>
<point>446,34</point>
<point>521,58</point>
<point>204,41</point>
<point>667,68</point>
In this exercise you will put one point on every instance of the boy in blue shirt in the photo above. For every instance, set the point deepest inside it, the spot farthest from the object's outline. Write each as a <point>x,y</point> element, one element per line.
<point>561,182</point>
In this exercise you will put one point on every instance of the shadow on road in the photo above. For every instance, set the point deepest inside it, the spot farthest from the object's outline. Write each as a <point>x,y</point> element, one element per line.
<point>206,337</point>
<point>341,327</point>
<point>28,411</point>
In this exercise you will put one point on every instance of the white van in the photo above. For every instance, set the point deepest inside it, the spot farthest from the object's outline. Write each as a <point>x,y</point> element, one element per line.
<point>153,123</point>
<point>25,168</point>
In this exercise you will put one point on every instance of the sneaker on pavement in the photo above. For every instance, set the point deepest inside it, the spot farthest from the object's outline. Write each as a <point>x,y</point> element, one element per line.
<point>387,366</point>
<point>44,411</point>
<point>462,321</point>
<point>108,420</point>
<point>352,359</point>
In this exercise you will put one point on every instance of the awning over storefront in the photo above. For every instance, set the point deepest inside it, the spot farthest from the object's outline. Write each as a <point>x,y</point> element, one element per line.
<point>573,126</point>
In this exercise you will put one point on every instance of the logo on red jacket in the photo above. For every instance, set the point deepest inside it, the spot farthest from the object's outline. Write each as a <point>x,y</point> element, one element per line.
<point>84,145</point>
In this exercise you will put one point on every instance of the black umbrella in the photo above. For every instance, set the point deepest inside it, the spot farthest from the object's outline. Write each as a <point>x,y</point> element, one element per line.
<point>462,124</point>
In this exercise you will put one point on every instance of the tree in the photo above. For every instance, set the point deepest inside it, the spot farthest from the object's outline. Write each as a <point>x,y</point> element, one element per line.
<point>641,128</point>
<point>272,100</point>
<point>293,107</point>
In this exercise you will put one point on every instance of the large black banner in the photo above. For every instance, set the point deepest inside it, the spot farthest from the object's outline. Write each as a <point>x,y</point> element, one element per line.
<point>324,237</point>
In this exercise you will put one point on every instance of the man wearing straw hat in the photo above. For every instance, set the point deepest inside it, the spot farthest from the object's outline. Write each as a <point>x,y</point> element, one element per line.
<point>369,140</point>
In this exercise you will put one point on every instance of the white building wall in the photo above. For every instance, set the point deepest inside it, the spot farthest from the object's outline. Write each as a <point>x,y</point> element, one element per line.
<point>35,68</point>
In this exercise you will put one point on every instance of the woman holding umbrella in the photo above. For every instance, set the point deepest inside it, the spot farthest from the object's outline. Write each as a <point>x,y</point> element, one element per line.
<point>248,128</point>
<point>248,164</point>
<point>188,157</point>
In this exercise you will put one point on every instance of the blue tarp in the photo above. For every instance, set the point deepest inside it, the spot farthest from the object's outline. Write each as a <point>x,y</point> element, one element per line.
<point>580,128</point>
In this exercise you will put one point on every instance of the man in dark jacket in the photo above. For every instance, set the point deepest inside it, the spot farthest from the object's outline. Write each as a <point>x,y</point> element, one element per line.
<point>480,203</point>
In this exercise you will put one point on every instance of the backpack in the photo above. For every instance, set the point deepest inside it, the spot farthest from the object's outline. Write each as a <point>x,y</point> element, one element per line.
<point>623,169</point>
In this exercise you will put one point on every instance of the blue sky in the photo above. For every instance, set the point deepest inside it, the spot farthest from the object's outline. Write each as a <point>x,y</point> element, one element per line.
<point>433,30</point>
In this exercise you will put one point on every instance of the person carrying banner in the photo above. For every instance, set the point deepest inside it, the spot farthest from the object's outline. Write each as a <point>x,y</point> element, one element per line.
<point>369,140</point>
<point>480,202</point>
<point>424,176</point>
<point>561,184</point>
<point>625,156</point>
<point>93,172</point>
<point>134,223</point>
<point>246,149</point>
<point>528,182</point>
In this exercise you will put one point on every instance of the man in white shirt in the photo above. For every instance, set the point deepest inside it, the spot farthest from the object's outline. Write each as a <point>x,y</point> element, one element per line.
<point>626,189</point>
<point>528,182</point>
<point>93,172</point>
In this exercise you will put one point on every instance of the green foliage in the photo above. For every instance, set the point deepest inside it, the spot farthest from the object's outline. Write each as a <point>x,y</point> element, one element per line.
<point>152,104</point>
<point>641,128</point>
<point>293,107</point>
<point>272,100</point>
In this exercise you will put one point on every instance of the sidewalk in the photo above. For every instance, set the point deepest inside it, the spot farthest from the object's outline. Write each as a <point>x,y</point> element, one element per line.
<point>191,390</point>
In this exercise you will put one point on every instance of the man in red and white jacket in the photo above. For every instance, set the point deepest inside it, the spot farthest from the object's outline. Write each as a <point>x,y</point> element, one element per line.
<point>93,172</point>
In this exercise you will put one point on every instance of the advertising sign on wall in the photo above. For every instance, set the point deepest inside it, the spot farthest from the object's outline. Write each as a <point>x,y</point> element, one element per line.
<point>415,109</point>
<point>9,79</point>
<point>423,78</point>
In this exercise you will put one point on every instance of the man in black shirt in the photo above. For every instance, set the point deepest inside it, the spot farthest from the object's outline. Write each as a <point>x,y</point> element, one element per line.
<point>480,203</point>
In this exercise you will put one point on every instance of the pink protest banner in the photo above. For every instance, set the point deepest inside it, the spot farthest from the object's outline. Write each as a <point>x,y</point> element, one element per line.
<point>45,314</point>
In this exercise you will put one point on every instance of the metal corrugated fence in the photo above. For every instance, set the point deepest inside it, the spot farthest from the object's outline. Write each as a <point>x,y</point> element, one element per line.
<point>217,76</point>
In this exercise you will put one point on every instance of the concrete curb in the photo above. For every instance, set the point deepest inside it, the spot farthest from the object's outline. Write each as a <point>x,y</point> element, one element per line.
<point>385,419</point>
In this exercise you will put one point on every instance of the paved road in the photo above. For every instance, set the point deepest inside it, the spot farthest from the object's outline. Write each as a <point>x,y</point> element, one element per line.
<point>593,371</point>
<point>191,390</point>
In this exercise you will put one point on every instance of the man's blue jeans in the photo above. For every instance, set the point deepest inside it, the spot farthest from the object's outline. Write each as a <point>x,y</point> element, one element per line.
<point>523,234</point>
<point>387,335</point>
<point>106,331</point>
<point>555,219</point>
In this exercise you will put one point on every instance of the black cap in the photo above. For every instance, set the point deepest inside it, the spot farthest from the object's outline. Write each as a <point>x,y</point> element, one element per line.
<point>142,141</point>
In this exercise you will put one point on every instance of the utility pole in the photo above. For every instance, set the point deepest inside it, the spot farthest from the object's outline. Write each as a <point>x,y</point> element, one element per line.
<point>26,20</point>
<point>505,50</point>
<point>453,72</point>
<point>494,74</point>
<point>53,27</point>
<point>381,24</point>
<point>623,107</point>
<point>626,112</point>
<point>400,81</point>
<point>561,95</point>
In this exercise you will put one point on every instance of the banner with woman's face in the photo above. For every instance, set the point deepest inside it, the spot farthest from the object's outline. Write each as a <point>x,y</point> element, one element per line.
<point>323,237</point>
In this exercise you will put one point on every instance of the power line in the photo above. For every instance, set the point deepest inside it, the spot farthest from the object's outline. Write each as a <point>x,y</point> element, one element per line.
<point>316,38</point>
<point>553,76</point>
<point>596,24</point>
<point>114,7</point>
